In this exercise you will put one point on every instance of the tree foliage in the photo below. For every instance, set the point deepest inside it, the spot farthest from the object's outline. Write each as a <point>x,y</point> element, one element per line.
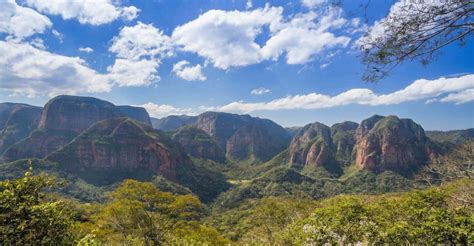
<point>415,30</point>
<point>28,217</point>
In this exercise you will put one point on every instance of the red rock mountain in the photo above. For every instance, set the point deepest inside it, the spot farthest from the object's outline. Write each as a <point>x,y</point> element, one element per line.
<point>16,122</point>
<point>390,143</point>
<point>244,137</point>
<point>122,145</point>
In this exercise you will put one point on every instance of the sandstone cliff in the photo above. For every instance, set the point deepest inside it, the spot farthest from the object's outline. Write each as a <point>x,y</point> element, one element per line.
<point>136,113</point>
<point>390,143</point>
<point>16,122</point>
<point>198,144</point>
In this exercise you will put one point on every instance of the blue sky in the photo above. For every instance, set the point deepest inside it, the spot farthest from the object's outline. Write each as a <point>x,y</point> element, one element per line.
<point>284,60</point>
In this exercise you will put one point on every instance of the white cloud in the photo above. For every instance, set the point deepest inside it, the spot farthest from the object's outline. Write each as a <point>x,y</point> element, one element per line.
<point>228,38</point>
<point>125,72</point>
<point>58,35</point>
<point>86,12</point>
<point>141,40</point>
<point>28,71</point>
<point>186,72</point>
<point>312,3</point>
<point>139,49</point>
<point>130,13</point>
<point>459,89</point>
<point>305,36</point>
<point>260,91</point>
<point>38,43</point>
<point>163,110</point>
<point>248,4</point>
<point>459,97</point>
<point>86,49</point>
<point>21,22</point>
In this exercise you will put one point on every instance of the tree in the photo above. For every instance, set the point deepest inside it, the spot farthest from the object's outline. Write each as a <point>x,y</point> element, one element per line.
<point>415,30</point>
<point>28,217</point>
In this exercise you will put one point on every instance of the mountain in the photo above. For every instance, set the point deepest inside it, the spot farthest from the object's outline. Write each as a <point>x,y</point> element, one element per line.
<point>121,146</point>
<point>62,119</point>
<point>312,147</point>
<point>76,113</point>
<point>136,113</point>
<point>453,137</point>
<point>243,137</point>
<point>391,143</point>
<point>173,122</point>
<point>343,138</point>
<point>197,143</point>
<point>16,122</point>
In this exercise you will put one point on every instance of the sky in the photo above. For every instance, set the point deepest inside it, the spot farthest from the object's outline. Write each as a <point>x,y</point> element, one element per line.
<point>294,62</point>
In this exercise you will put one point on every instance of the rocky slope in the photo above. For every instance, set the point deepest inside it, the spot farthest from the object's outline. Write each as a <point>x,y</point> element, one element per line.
<point>390,143</point>
<point>244,138</point>
<point>121,146</point>
<point>16,122</point>
<point>136,113</point>
<point>343,138</point>
<point>173,122</point>
<point>76,113</point>
<point>312,147</point>
<point>197,143</point>
<point>452,137</point>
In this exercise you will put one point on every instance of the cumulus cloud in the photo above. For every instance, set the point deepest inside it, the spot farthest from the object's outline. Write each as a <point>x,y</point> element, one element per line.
<point>458,90</point>
<point>228,38</point>
<point>183,70</point>
<point>305,36</point>
<point>312,3</point>
<point>86,12</point>
<point>21,22</point>
<point>139,51</point>
<point>163,110</point>
<point>86,49</point>
<point>248,4</point>
<point>29,71</point>
<point>260,91</point>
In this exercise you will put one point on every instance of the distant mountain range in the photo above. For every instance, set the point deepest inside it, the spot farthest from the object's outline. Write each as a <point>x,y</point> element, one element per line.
<point>102,143</point>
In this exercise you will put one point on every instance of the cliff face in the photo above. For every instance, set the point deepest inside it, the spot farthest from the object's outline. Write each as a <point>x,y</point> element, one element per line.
<point>343,138</point>
<point>122,145</point>
<point>244,137</point>
<point>136,113</point>
<point>390,143</point>
<point>312,146</point>
<point>173,122</point>
<point>76,113</point>
<point>16,123</point>
<point>198,144</point>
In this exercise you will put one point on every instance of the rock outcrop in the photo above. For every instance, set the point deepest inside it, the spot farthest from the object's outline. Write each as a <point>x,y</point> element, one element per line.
<point>173,122</point>
<point>76,113</point>
<point>312,147</point>
<point>390,143</point>
<point>244,138</point>
<point>121,145</point>
<point>344,140</point>
<point>16,122</point>
<point>136,113</point>
<point>197,143</point>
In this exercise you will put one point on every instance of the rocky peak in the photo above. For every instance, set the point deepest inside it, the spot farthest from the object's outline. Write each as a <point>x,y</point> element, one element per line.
<point>197,143</point>
<point>312,146</point>
<point>121,145</point>
<point>16,122</point>
<point>366,125</point>
<point>136,113</point>
<point>391,144</point>
<point>76,113</point>
<point>173,122</point>
<point>244,137</point>
<point>343,137</point>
